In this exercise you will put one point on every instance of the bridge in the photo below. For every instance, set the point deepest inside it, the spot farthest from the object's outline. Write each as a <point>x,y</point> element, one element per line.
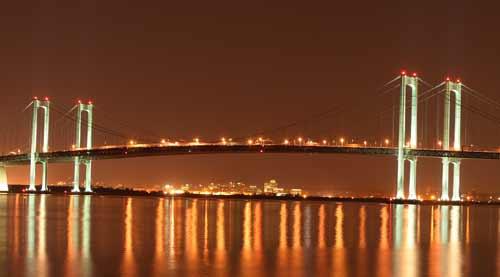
<point>405,150</point>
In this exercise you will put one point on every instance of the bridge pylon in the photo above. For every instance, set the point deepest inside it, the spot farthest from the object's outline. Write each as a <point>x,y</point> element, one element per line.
<point>34,158</point>
<point>456,88</point>
<point>81,108</point>
<point>4,186</point>
<point>412,82</point>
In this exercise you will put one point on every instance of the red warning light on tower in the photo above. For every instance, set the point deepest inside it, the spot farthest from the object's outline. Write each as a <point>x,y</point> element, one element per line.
<point>90,102</point>
<point>403,72</point>
<point>414,74</point>
<point>46,98</point>
<point>458,81</point>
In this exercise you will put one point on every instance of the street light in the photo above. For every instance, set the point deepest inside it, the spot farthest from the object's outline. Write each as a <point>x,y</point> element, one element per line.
<point>342,141</point>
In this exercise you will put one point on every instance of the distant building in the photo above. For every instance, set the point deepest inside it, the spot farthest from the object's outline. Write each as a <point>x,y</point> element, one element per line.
<point>254,190</point>
<point>296,192</point>
<point>271,187</point>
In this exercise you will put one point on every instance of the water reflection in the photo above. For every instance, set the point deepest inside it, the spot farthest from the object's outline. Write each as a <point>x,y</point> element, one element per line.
<point>339,253</point>
<point>87,235</point>
<point>128,260</point>
<point>159,236</point>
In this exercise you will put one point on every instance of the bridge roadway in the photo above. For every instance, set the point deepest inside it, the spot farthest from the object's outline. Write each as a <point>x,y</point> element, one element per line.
<point>143,150</point>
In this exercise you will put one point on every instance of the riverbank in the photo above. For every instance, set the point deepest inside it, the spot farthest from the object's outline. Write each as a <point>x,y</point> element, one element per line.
<point>103,191</point>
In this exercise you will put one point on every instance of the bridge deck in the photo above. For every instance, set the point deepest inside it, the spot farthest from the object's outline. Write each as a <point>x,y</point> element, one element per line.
<point>120,152</point>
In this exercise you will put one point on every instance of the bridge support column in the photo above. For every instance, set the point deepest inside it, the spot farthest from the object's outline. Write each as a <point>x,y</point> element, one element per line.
<point>88,176</point>
<point>456,88</point>
<point>88,108</point>
<point>4,186</point>
<point>37,104</point>
<point>44,176</point>
<point>413,83</point>
<point>445,181</point>
<point>33,159</point>
<point>413,179</point>
<point>456,181</point>
<point>76,174</point>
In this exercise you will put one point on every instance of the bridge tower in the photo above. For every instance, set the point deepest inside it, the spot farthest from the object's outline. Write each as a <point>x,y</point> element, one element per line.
<point>34,158</point>
<point>456,88</point>
<point>412,82</point>
<point>4,186</point>
<point>81,108</point>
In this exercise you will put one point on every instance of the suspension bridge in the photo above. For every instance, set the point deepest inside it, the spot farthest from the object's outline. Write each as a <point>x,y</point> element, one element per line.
<point>409,147</point>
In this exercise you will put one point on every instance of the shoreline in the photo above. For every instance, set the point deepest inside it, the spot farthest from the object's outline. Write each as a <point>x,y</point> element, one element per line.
<point>103,191</point>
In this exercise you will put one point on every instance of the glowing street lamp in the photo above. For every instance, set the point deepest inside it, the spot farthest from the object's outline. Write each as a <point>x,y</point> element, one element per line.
<point>286,142</point>
<point>250,141</point>
<point>325,141</point>
<point>440,143</point>
<point>386,142</point>
<point>365,143</point>
<point>342,141</point>
<point>300,140</point>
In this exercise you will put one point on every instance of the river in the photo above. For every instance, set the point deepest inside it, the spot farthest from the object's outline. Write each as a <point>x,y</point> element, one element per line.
<point>55,235</point>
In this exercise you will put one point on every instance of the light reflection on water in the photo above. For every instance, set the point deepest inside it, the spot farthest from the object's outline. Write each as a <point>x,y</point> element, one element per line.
<point>44,235</point>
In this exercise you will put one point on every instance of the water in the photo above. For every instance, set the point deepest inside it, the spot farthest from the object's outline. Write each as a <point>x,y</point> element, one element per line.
<point>44,235</point>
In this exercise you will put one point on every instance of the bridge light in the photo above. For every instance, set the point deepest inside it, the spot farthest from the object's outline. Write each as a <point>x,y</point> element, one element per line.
<point>46,98</point>
<point>196,140</point>
<point>163,141</point>
<point>447,79</point>
<point>386,141</point>
<point>342,141</point>
<point>458,81</point>
<point>223,140</point>
<point>79,101</point>
<point>131,142</point>
<point>440,143</point>
<point>73,146</point>
<point>286,142</point>
<point>365,142</point>
<point>250,141</point>
<point>414,74</point>
<point>35,97</point>
<point>403,72</point>
<point>325,142</point>
<point>90,102</point>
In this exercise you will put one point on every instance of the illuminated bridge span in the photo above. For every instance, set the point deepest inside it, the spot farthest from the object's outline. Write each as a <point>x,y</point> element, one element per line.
<point>126,151</point>
<point>451,152</point>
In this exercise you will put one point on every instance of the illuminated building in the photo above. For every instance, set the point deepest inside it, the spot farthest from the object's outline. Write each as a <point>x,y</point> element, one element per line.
<point>270,187</point>
<point>296,192</point>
